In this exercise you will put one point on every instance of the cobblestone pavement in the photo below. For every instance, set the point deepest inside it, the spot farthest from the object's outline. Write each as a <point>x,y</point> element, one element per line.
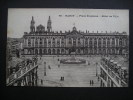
<point>75,75</point>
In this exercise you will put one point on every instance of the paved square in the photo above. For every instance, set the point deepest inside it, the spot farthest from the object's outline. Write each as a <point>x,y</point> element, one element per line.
<point>75,75</point>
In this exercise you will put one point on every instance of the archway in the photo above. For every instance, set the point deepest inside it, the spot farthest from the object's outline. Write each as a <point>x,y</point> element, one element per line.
<point>36,52</point>
<point>58,51</point>
<point>53,51</point>
<point>49,51</point>
<point>40,51</point>
<point>95,51</point>
<point>44,51</point>
<point>99,52</point>
<point>79,51</point>
<point>104,51</point>
<point>62,51</point>
<point>86,51</point>
<point>113,51</point>
<point>120,51</point>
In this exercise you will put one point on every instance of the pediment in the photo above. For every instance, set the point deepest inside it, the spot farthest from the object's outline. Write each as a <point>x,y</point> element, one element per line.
<point>74,34</point>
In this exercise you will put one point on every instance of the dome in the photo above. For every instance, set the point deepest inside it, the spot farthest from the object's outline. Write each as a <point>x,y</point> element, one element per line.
<point>74,28</point>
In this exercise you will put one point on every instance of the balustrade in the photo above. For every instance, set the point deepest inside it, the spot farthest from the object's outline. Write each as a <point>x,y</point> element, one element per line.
<point>115,70</point>
<point>21,72</point>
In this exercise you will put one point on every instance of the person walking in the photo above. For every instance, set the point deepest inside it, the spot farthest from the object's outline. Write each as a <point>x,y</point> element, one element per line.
<point>92,82</point>
<point>49,67</point>
<point>41,82</point>
<point>88,63</point>
<point>61,78</point>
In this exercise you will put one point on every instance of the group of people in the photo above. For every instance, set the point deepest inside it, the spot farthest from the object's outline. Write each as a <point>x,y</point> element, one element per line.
<point>91,82</point>
<point>62,78</point>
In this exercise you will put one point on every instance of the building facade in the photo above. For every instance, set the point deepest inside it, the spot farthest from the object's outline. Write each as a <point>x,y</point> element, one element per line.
<point>41,41</point>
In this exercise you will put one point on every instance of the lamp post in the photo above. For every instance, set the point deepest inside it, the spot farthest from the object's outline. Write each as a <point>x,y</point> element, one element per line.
<point>96,68</point>
<point>44,68</point>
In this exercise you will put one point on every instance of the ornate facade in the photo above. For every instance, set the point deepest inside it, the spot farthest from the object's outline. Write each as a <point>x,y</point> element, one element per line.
<point>41,41</point>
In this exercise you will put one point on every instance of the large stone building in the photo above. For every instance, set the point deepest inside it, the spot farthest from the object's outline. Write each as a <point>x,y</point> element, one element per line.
<point>42,41</point>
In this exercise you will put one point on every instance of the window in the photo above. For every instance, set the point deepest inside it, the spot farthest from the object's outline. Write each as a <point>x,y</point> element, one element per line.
<point>104,42</point>
<point>40,42</point>
<point>70,41</point>
<point>29,42</point>
<point>86,42</point>
<point>90,42</point>
<point>120,42</point>
<point>36,43</point>
<point>74,42</point>
<point>53,42</point>
<point>58,43</point>
<point>113,42</point>
<point>62,42</point>
<point>49,43</point>
<point>108,42</point>
<point>78,40</point>
<point>99,42</point>
<point>45,42</point>
<point>95,43</point>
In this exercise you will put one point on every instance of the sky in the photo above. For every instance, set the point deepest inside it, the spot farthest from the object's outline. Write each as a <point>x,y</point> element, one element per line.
<point>92,20</point>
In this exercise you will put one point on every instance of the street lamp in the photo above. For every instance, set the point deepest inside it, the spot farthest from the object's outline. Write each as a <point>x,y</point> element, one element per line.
<point>44,68</point>
<point>96,69</point>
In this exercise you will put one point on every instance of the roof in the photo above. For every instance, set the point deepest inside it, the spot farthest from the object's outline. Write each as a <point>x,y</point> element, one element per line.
<point>40,26</point>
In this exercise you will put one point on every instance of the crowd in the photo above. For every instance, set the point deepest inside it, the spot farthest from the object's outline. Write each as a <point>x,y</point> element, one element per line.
<point>122,72</point>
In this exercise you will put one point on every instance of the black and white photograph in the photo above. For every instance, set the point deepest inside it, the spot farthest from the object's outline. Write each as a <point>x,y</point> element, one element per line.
<point>65,47</point>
